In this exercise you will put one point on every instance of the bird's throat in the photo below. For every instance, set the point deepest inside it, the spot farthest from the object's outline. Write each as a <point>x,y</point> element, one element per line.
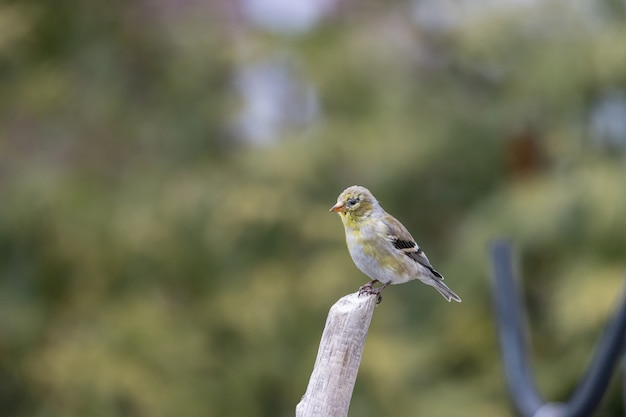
<point>350,221</point>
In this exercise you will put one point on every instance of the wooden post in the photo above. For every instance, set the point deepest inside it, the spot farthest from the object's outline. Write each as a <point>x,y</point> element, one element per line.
<point>332,381</point>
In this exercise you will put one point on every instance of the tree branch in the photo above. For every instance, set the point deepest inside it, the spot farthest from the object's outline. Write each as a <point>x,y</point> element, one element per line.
<point>334,374</point>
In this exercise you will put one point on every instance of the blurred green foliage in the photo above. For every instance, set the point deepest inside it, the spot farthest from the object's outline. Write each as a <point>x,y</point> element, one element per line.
<point>157,260</point>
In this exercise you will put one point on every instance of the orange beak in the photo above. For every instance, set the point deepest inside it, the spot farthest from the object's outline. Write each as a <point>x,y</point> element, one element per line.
<point>337,208</point>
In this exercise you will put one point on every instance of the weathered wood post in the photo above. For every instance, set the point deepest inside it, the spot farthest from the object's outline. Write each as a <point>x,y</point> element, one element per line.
<point>332,381</point>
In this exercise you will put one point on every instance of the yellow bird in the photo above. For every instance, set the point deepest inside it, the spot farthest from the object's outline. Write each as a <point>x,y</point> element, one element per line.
<point>381,247</point>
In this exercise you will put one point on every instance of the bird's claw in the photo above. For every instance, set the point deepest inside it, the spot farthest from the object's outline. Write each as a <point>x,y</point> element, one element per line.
<point>369,289</point>
<point>365,289</point>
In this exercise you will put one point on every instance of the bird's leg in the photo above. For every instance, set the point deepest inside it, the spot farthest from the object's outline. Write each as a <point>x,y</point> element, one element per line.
<point>378,291</point>
<point>370,289</point>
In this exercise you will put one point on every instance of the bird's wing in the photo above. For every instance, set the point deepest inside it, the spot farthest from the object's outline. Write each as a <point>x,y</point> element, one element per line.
<point>402,240</point>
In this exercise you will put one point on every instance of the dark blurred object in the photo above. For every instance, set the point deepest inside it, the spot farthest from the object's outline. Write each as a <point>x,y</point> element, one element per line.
<point>509,313</point>
<point>525,155</point>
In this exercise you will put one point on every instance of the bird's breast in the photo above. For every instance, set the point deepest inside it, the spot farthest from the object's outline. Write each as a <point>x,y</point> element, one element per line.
<point>374,256</point>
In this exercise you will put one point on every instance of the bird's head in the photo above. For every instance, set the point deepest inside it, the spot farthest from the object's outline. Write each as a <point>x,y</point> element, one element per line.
<point>355,203</point>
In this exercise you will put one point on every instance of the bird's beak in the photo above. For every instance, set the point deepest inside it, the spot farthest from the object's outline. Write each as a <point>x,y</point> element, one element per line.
<point>338,208</point>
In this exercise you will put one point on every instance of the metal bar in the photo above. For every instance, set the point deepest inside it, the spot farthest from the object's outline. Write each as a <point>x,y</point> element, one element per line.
<point>606,359</point>
<point>508,309</point>
<point>514,346</point>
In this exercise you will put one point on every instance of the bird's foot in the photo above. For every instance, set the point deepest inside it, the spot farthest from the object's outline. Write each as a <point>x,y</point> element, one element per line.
<point>369,289</point>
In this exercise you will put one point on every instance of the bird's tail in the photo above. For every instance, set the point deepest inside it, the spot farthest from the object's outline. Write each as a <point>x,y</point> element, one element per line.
<point>443,289</point>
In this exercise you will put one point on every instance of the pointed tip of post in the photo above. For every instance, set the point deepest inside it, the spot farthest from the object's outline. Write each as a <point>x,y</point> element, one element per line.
<point>353,301</point>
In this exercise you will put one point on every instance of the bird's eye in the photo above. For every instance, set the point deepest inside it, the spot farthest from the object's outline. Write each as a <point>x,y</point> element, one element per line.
<point>352,201</point>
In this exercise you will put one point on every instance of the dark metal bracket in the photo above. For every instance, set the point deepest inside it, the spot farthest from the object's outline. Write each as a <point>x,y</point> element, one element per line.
<point>509,313</point>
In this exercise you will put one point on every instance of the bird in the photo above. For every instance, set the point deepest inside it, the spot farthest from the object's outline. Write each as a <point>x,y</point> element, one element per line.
<point>381,247</point>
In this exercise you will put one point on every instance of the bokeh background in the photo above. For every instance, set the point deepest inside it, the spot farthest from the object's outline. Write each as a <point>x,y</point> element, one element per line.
<point>166,169</point>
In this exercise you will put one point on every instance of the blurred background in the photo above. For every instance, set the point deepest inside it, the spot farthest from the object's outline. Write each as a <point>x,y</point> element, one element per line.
<point>167,166</point>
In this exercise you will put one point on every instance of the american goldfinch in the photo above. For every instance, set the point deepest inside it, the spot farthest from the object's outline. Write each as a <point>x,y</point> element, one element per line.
<point>381,247</point>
